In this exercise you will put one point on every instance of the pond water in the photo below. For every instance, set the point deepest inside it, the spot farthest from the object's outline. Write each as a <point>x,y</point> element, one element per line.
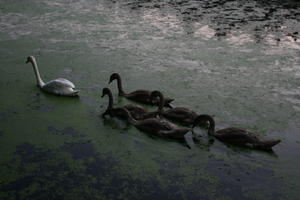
<point>236,60</point>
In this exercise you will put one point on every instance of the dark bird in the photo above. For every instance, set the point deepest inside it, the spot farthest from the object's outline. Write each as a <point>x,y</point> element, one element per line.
<point>137,111</point>
<point>178,114</point>
<point>236,136</point>
<point>156,126</point>
<point>142,96</point>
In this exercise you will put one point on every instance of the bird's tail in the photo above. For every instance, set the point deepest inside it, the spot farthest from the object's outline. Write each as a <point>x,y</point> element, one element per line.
<point>74,93</point>
<point>268,144</point>
<point>272,143</point>
<point>168,103</point>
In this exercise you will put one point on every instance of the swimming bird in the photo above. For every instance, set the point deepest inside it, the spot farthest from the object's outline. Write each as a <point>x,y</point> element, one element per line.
<point>179,114</point>
<point>137,111</point>
<point>156,126</point>
<point>236,136</point>
<point>142,96</point>
<point>58,86</point>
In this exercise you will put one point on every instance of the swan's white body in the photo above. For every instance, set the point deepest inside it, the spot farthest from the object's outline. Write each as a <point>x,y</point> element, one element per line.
<point>58,86</point>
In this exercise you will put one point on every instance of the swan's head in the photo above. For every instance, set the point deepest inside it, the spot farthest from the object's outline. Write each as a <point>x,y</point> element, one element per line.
<point>202,118</point>
<point>156,96</point>
<point>30,59</point>
<point>113,77</point>
<point>105,91</point>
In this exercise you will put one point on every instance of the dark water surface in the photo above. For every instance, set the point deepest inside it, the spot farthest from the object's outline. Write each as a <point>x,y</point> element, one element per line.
<point>237,60</point>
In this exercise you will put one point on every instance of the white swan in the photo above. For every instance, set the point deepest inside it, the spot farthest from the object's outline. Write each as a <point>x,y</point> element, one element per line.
<point>58,86</point>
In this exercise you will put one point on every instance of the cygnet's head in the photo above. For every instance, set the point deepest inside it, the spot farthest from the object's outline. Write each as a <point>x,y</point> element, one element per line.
<point>105,91</point>
<point>113,77</point>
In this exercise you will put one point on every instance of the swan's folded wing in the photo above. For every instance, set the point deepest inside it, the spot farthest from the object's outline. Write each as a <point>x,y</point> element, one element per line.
<point>236,133</point>
<point>168,125</point>
<point>59,88</point>
<point>180,113</point>
<point>58,84</point>
<point>64,82</point>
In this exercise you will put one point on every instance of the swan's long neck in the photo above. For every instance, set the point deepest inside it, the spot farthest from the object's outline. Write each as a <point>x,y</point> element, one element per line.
<point>132,121</point>
<point>201,118</point>
<point>161,102</point>
<point>211,129</point>
<point>40,82</point>
<point>130,118</point>
<point>110,101</point>
<point>120,87</point>
<point>158,94</point>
